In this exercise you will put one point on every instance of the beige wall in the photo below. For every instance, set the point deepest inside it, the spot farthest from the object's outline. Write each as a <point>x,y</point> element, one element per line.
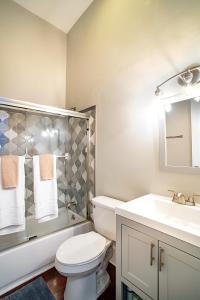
<point>117,53</point>
<point>32,57</point>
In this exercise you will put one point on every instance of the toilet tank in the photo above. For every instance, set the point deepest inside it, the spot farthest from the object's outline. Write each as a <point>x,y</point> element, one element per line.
<point>104,216</point>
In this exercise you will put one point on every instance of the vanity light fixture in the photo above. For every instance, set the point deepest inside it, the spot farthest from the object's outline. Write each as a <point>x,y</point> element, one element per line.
<point>186,77</point>
<point>157,91</point>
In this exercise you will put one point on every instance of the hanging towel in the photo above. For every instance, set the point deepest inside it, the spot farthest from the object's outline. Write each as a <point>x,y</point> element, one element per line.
<point>46,167</point>
<point>45,193</point>
<point>12,203</point>
<point>9,171</point>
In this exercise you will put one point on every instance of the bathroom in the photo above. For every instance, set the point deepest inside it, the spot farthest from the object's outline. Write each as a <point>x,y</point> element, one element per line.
<point>108,88</point>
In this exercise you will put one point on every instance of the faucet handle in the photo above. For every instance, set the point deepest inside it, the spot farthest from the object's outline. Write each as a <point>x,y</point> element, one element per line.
<point>178,197</point>
<point>191,199</point>
<point>196,195</point>
<point>172,191</point>
<point>174,197</point>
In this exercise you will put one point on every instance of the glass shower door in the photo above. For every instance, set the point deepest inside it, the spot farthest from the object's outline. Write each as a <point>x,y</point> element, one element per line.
<point>66,137</point>
<point>12,141</point>
<point>34,133</point>
<point>47,134</point>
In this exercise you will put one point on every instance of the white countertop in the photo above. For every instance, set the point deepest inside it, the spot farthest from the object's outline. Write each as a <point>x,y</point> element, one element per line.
<point>160,213</point>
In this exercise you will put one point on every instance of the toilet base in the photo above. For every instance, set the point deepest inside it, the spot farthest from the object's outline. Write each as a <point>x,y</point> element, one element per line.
<point>81,288</point>
<point>103,282</point>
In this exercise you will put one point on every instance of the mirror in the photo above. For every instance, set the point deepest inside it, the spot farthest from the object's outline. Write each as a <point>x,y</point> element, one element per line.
<point>180,137</point>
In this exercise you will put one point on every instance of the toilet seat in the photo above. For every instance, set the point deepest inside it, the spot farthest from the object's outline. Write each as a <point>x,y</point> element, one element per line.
<point>81,253</point>
<point>81,249</point>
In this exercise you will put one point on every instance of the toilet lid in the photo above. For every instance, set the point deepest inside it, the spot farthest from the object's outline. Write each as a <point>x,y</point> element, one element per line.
<point>81,248</point>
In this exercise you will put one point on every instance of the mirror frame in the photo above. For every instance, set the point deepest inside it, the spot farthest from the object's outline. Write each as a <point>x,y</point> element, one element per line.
<point>162,139</point>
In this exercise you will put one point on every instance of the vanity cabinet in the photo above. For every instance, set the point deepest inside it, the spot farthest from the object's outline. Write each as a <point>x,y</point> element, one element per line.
<point>138,260</point>
<point>154,265</point>
<point>179,274</point>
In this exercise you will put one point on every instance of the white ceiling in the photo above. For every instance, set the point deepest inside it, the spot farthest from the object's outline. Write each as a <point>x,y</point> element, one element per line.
<point>63,14</point>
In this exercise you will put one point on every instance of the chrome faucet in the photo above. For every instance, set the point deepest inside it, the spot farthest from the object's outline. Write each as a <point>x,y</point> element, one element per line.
<point>72,203</point>
<point>180,198</point>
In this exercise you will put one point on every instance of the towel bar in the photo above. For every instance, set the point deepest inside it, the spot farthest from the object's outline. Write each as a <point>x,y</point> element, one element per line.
<point>66,156</point>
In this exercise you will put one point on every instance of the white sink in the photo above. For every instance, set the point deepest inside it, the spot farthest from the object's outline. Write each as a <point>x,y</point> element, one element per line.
<point>160,213</point>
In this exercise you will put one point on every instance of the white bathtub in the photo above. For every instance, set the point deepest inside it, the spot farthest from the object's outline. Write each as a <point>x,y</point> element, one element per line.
<point>27,260</point>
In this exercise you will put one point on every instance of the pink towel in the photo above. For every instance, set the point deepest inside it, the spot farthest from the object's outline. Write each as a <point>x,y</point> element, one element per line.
<point>9,169</point>
<point>46,167</point>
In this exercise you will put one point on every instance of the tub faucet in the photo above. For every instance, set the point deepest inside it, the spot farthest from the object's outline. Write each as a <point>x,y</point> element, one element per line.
<point>72,203</point>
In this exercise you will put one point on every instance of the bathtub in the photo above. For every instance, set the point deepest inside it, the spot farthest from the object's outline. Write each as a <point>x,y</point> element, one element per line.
<point>21,263</point>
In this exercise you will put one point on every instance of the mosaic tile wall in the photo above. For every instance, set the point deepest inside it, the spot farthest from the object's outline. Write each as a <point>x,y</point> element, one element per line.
<point>80,178</point>
<point>45,134</point>
<point>27,133</point>
<point>91,113</point>
<point>32,134</point>
<point>76,166</point>
<point>12,133</point>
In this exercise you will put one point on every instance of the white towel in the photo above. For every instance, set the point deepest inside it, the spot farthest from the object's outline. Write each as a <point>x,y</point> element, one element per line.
<point>12,204</point>
<point>45,194</point>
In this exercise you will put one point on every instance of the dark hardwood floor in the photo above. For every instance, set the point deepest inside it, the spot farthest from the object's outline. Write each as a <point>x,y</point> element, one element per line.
<point>57,282</point>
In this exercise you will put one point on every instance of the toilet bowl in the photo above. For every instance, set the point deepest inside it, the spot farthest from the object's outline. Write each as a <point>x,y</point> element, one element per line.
<point>83,259</point>
<point>78,259</point>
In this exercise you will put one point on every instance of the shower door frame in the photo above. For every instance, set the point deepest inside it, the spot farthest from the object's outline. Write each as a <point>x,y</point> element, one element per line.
<point>24,105</point>
<point>39,108</point>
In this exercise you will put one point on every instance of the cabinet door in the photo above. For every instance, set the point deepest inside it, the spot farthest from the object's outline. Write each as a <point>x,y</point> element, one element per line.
<point>139,262</point>
<point>179,274</point>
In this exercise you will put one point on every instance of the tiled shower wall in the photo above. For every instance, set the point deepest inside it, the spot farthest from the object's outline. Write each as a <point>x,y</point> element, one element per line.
<point>81,163</point>
<point>91,113</point>
<point>76,166</point>
<point>32,133</point>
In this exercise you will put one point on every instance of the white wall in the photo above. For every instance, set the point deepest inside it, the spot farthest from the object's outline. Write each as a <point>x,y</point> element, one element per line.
<point>117,53</point>
<point>32,57</point>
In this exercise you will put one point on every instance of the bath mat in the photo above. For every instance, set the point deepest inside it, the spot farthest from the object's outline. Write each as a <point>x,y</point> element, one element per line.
<point>36,290</point>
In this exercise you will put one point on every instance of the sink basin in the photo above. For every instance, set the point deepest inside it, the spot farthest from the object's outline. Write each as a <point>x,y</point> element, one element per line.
<point>160,213</point>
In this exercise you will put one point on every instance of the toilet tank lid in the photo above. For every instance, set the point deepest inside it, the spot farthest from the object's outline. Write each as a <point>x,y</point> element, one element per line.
<point>106,202</point>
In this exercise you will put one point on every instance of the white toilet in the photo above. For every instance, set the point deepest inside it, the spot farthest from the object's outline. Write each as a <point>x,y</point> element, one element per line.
<point>83,258</point>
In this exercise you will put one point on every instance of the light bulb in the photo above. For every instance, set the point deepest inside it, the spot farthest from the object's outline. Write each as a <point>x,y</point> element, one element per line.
<point>168,107</point>
<point>187,77</point>
<point>197,99</point>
